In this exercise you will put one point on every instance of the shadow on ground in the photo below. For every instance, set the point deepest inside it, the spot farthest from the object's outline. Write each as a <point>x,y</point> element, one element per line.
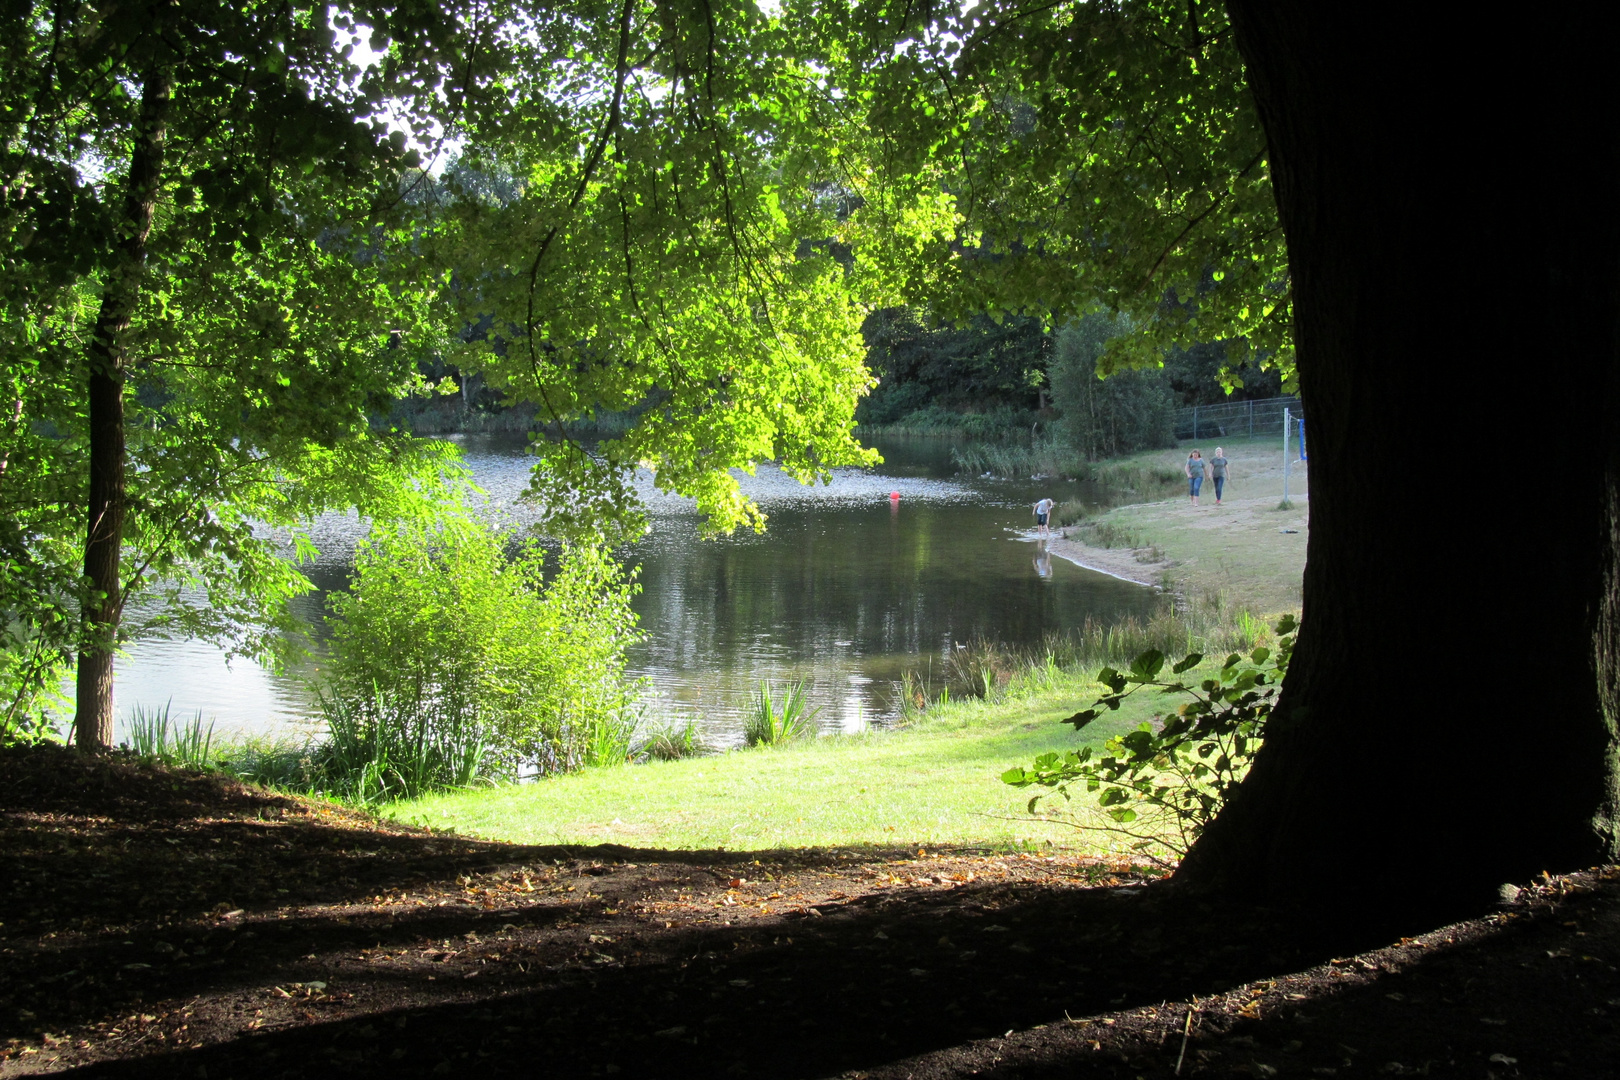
<point>164,924</point>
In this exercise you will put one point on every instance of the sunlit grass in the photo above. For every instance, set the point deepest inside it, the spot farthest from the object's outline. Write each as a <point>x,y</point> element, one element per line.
<point>936,783</point>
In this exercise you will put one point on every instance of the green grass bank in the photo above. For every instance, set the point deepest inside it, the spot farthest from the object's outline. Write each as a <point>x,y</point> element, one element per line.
<point>933,783</point>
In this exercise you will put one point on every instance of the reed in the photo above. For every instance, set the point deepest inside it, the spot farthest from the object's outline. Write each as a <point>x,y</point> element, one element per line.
<point>283,763</point>
<point>770,722</point>
<point>996,672</point>
<point>154,734</point>
<point>608,738</point>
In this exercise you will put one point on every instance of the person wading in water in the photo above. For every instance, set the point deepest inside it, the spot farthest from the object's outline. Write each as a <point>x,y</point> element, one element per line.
<point>1043,515</point>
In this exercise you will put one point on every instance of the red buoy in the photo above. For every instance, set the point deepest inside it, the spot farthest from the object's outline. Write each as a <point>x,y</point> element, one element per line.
<point>894,496</point>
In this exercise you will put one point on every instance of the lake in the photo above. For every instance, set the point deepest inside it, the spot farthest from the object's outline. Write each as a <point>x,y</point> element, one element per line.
<point>847,589</point>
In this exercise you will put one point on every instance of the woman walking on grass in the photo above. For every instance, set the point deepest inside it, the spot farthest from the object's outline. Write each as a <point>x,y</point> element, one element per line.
<point>1217,472</point>
<point>1195,474</point>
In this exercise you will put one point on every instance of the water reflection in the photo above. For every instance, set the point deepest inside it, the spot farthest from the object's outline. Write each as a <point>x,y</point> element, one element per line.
<point>856,581</point>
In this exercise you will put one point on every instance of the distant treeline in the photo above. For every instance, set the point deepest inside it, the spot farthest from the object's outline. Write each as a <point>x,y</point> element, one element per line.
<point>996,380</point>
<point>980,378</point>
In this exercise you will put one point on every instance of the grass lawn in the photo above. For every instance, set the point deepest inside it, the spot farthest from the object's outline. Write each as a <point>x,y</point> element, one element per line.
<point>936,783</point>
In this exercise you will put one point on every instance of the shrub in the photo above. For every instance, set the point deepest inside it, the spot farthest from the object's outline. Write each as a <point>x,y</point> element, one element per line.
<point>768,724</point>
<point>453,659</point>
<point>1163,783</point>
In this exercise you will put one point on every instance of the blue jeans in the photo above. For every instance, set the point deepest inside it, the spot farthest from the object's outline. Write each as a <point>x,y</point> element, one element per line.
<point>1194,483</point>
<point>1220,482</point>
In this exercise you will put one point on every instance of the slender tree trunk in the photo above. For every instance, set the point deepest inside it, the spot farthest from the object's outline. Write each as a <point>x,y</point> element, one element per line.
<point>93,722</point>
<point>1447,189</point>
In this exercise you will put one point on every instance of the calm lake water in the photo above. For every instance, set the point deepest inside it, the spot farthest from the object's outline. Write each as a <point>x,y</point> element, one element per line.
<point>847,589</point>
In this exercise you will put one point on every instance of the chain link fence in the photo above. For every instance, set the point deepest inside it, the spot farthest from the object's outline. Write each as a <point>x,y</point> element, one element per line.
<point>1234,418</point>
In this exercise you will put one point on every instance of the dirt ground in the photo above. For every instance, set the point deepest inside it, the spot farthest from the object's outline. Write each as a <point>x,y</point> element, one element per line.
<point>160,923</point>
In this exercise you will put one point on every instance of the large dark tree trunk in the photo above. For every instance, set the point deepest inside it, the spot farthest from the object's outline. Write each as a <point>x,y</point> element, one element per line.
<point>1448,189</point>
<point>103,546</point>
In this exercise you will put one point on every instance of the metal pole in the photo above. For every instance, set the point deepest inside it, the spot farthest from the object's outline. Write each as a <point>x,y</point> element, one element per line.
<point>1195,422</point>
<point>1287,418</point>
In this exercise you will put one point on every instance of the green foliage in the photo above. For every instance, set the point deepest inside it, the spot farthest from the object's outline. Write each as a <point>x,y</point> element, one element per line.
<point>953,374</point>
<point>770,723</point>
<point>447,640</point>
<point>1130,410</point>
<point>1068,513</point>
<point>647,227</point>
<point>1099,154</point>
<point>609,737</point>
<point>1012,460</point>
<point>1163,783</point>
<point>153,734</point>
<point>250,328</point>
<point>635,227</point>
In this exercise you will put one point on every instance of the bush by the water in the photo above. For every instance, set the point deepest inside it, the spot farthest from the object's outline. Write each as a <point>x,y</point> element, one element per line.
<point>454,659</point>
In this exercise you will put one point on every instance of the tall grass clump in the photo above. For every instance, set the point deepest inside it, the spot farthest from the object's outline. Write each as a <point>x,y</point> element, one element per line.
<point>1109,534</point>
<point>390,747</point>
<point>1138,480</point>
<point>773,719</point>
<point>996,671</point>
<point>272,762</point>
<point>154,734</point>
<point>1012,460</point>
<point>455,659</point>
<point>670,741</point>
<point>609,738</point>
<point>1065,514</point>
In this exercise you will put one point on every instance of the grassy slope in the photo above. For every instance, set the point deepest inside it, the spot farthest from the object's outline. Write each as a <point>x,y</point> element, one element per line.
<point>1237,548</point>
<point>933,784</point>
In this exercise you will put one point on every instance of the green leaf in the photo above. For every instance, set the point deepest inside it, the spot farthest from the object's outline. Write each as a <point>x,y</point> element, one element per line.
<point>1147,665</point>
<point>1191,660</point>
<point>1083,717</point>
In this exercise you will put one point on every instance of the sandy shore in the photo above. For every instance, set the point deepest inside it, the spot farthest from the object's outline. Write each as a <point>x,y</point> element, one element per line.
<point>1115,562</point>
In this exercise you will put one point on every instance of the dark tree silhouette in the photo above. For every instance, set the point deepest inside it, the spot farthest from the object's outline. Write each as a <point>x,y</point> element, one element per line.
<point>1447,190</point>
